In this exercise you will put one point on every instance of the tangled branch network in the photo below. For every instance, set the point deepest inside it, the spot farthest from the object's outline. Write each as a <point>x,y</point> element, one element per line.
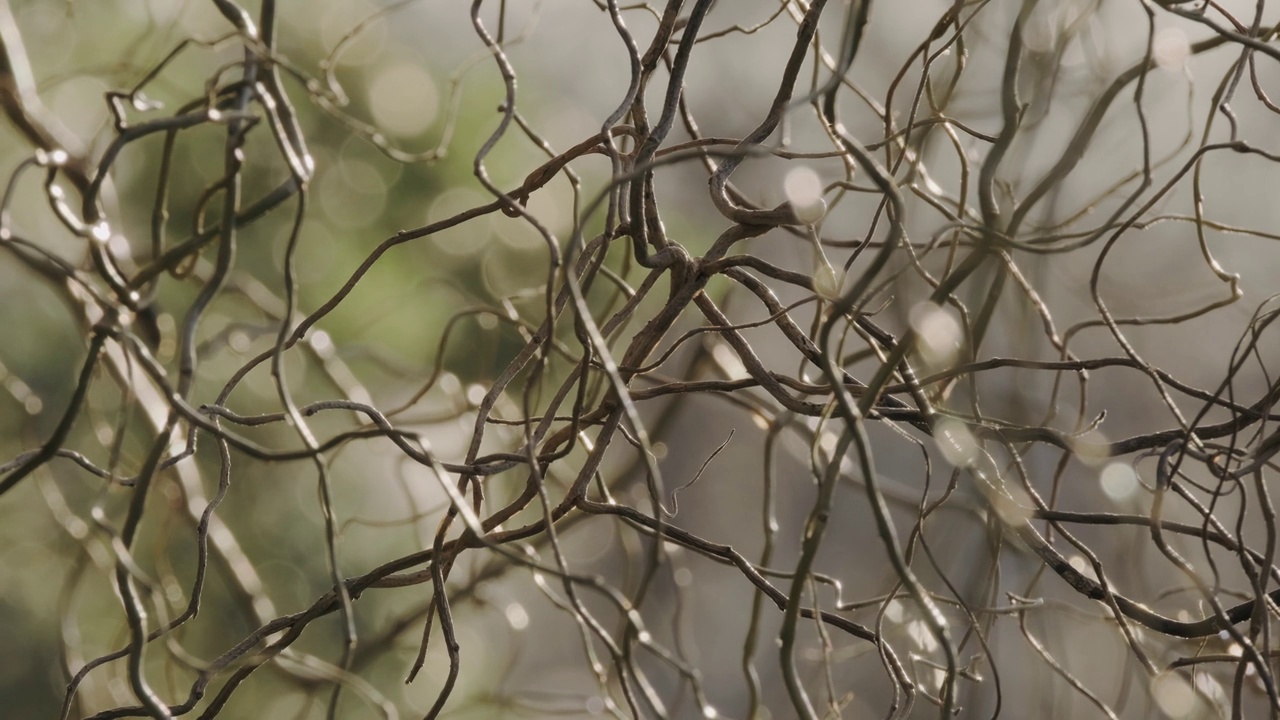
<point>772,358</point>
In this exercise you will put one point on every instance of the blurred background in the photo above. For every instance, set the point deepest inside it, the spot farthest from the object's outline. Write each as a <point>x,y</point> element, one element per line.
<point>399,104</point>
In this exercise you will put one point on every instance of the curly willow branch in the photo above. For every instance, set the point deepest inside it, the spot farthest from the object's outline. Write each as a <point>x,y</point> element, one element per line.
<point>569,382</point>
